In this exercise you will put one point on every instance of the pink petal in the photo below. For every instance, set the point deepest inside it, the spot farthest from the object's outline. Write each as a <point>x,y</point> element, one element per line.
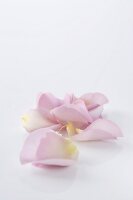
<point>69,98</point>
<point>76,113</point>
<point>46,147</point>
<point>93,99</point>
<point>95,113</point>
<point>100,129</point>
<point>54,162</point>
<point>34,119</point>
<point>48,101</point>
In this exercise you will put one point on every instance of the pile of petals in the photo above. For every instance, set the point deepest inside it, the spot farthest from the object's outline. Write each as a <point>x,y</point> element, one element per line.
<point>55,124</point>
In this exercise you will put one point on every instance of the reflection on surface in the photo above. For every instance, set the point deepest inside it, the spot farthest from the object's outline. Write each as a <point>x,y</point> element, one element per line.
<point>49,179</point>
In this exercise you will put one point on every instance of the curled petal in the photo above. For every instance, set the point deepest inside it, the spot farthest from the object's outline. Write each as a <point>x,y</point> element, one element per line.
<point>95,113</point>
<point>100,129</point>
<point>34,119</point>
<point>76,113</point>
<point>69,98</point>
<point>94,99</point>
<point>47,147</point>
<point>48,101</point>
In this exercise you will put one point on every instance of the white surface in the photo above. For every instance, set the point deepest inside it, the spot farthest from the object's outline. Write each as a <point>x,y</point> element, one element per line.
<point>64,46</point>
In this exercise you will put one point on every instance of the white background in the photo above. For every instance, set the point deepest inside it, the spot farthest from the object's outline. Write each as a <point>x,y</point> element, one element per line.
<point>67,46</point>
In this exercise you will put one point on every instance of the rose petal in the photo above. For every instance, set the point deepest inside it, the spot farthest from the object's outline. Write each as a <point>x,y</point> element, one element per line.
<point>76,113</point>
<point>46,147</point>
<point>69,98</point>
<point>55,162</point>
<point>93,99</point>
<point>34,119</point>
<point>48,101</point>
<point>100,129</point>
<point>95,113</point>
